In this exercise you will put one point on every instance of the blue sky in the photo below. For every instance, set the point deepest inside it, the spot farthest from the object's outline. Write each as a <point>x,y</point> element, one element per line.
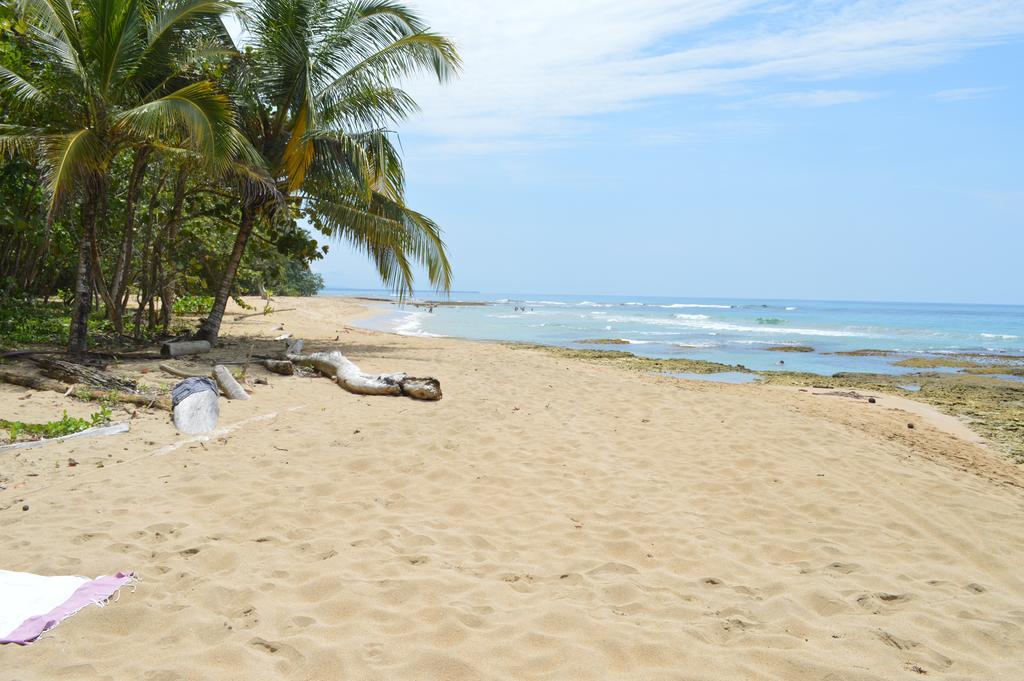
<point>823,149</point>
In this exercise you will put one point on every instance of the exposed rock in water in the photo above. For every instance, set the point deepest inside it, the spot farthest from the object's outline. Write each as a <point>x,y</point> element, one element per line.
<point>790,348</point>
<point>603,341</point>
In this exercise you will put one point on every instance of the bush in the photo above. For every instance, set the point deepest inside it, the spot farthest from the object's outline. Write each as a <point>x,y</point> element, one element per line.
<point>193,304</point>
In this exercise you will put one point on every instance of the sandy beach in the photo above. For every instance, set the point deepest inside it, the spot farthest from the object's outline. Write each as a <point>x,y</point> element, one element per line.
<point>547,519</point>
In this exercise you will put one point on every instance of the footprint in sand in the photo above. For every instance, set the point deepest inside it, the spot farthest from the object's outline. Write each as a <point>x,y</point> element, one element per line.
<point>877,602</point>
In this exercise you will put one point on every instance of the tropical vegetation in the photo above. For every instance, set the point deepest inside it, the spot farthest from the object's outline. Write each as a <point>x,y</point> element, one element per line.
<point>148,156</point>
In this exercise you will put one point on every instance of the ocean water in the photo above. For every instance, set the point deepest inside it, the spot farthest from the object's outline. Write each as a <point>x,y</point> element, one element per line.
<point>730,331</point>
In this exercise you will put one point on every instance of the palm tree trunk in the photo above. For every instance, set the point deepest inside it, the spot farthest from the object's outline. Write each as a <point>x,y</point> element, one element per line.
<point>210,327</point>
<point>79,333</point>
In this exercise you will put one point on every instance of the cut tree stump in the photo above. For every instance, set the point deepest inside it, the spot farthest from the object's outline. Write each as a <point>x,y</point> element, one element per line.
<point>182,348</point>
<point>346,374</point>
<point>196,405</point>
<point>228,385</point>
<point>83,392</point>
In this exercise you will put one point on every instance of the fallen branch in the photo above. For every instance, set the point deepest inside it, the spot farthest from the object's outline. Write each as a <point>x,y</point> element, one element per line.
<point>346,374</point>
<point>181,373</point>
<point>240,317</point>
<point>83,392</point>
<point>228,385</point>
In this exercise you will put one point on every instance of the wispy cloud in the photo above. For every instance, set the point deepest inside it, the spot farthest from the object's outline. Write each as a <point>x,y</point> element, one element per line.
<point>964,93</point>
<point>809,99</point>
<point>535,68</point>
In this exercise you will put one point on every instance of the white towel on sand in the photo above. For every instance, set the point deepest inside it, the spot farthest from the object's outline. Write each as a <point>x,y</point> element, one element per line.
<point>31,604</point>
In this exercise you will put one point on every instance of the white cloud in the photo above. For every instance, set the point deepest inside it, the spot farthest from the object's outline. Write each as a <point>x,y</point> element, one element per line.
<point>964,93</point>
<point>809,99</point>
<point>535,68</point>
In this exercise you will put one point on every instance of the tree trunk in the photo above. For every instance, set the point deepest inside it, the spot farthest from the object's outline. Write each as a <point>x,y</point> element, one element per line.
<point>210,328</point>
<point>83,392</point>
<point>70,372</point>
<point>79,333</point>
<point>124,255</point>
<point>169,275</point>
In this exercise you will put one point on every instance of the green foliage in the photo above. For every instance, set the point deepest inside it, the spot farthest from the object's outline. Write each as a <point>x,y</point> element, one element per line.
<point>38,323</point>
<point>64,426</point>
<point>144,120</point>
<point>193,304</point>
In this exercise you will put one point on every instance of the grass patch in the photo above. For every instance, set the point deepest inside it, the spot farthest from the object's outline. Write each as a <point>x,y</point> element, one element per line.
<point>68,425</point>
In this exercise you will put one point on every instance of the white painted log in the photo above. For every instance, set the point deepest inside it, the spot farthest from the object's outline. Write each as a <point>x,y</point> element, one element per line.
<point>228,385</point>
<point>346,374</point>
<point>181,348</point>
<point>111,429</point>
<point>197,413</point>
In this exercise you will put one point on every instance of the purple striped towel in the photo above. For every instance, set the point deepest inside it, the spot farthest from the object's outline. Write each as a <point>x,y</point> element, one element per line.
<point>32,604</point>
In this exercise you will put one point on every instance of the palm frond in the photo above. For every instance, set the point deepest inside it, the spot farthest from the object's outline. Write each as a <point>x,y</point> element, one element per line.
<point>298,153</point>
<point>20,139</point>
<point>18,88</point>
<point>71,160</point>
<point>199,109</point>
<point>391,234</point>
<point>172,17</point>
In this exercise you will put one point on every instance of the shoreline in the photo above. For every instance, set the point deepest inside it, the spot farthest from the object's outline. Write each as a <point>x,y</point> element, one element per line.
<point>548,518</point>
<point>979,407</point>
<point>824,358</point>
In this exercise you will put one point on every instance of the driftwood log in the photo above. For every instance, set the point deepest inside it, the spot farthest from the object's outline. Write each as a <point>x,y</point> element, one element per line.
<point>83,392</point>
<point>346,374</point>
<point>70,372</point>
<point>182,348</point>
<point>228,385</point>
<point>279,366</point>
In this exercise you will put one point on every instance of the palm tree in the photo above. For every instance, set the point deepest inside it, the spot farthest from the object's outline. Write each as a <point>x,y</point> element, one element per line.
<point>113,76</point>
<point>316,93</point>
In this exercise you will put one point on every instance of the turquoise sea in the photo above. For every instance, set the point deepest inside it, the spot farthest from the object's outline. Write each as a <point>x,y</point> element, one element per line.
<point>726,330</point>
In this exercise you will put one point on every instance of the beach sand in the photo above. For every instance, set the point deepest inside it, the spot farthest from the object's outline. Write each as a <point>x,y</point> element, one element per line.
<point>548,519</point>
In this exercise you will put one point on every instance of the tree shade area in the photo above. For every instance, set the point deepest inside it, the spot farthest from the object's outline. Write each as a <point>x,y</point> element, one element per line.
<point>149,164</point>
